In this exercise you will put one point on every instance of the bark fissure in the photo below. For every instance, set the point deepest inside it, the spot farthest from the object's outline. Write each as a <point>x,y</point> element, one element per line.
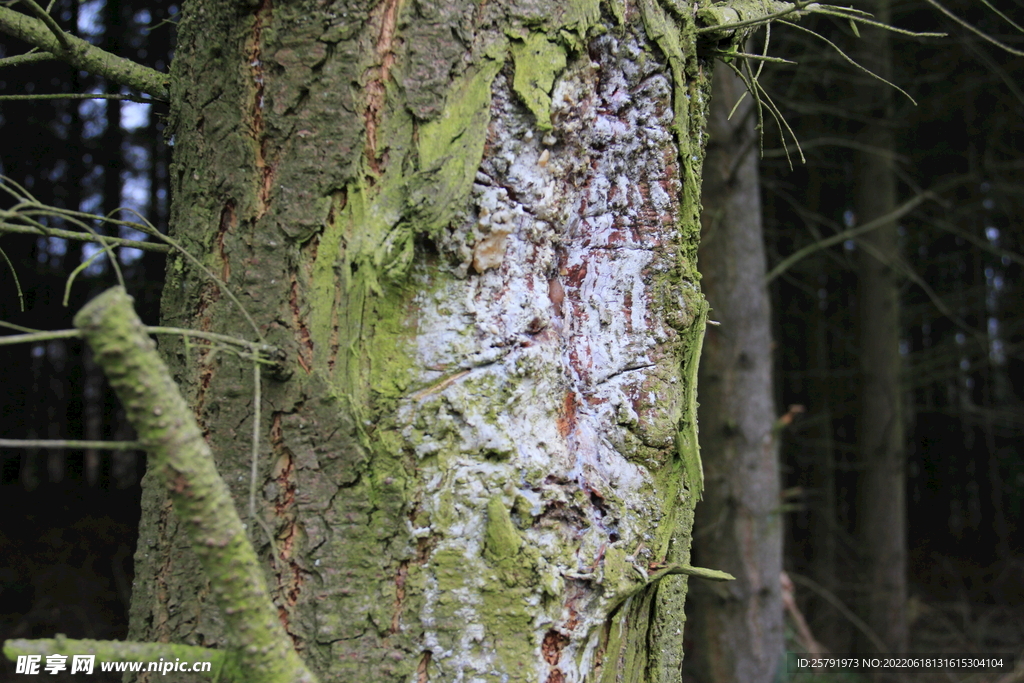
<point>298,321</point>
<point>376,86</point>
<point>258,132</point>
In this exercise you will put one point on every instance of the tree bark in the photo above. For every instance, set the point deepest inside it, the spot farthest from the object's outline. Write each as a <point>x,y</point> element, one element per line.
<point>881,513</point>
<point>738,634</point>
<point>474,229</point>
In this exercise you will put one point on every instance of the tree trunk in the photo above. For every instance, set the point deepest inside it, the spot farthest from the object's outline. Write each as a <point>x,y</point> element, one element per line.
<point>473,227</point>
<point>738,632</point>
<point>881,514</point>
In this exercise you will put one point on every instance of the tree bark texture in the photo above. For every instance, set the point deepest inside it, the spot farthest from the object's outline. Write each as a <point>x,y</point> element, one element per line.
<point>737,627</point>
<point>881,513</point>
<point>474,229</point>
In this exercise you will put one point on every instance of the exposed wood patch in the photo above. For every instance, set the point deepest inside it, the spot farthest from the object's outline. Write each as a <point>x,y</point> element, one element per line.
<point>422,676</point>
<point>551,649</point>
<point>399,603</point>
<point>228,221</point>
<point>305,355</point>
<point>257,121</point>
<point>289,575</point>
<point>376,88</point>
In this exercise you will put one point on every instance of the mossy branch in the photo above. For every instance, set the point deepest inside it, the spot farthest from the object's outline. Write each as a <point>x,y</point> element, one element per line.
<point>722,20</point>
<point>27,58</point>
<point>113,651</point>
<point>73,444</point>
<point>83,55</point>
<point>695,572</point>
<point>259,648</point>
<point>261,353</point>
<point>82,237</point>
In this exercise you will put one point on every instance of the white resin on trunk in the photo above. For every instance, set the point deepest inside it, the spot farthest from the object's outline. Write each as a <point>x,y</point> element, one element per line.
<point>548,364</point>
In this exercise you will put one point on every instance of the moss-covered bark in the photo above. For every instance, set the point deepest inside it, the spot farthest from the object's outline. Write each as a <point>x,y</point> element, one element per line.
<point>474,228</point>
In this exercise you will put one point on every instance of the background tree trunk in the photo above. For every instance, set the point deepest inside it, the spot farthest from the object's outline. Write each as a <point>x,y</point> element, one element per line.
<point>881,512</point>
<point>479,251</point>
<point>738,633</point>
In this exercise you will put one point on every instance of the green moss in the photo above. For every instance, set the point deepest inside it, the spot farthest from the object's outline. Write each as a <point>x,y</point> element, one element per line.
<point>508,627</point>
<point>619,578</point>
<point>687,441</point>
<point>538,62</point>
<point>501,540</point>
<point>391,356</point>
<point>504,549</point>
<point>581,17</point>
<point>450,149</point>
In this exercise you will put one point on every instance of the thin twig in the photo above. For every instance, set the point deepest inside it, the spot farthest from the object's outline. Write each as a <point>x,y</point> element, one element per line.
<point>223,286</point>
<point>27,58</point>
<point>851,60</point>
<point>83,237</point>
<point>967,25</point>
<point>1005,18</point>
<point>755,57</point>
<point>257,398</point>
<point>255,351</point>
<point>840,12</point>
<point>72,444</point>
<point>34,337</point>
<point>77,96</point>
<point>777,113</point>
<point>27,206</point>
<point>17,282</point>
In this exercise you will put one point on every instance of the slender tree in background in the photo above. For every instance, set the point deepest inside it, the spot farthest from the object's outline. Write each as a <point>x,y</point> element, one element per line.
<point>881,509</point>
<point>737,628</point>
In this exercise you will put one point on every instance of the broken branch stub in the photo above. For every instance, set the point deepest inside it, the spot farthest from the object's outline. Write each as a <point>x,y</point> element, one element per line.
<point>260,649</point>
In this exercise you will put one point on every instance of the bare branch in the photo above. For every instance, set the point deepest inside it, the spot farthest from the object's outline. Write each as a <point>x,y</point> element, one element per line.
<point>894,215</point>
<point>967,25</point>
<point>71,444</point>
<point>27,58</point>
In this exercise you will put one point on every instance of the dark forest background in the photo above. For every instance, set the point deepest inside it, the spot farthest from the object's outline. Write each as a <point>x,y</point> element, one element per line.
<point>962,322</point>
<point>68,518</point>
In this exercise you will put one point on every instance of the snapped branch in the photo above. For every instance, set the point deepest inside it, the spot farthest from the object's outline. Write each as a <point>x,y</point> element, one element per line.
<point>260,649</point>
